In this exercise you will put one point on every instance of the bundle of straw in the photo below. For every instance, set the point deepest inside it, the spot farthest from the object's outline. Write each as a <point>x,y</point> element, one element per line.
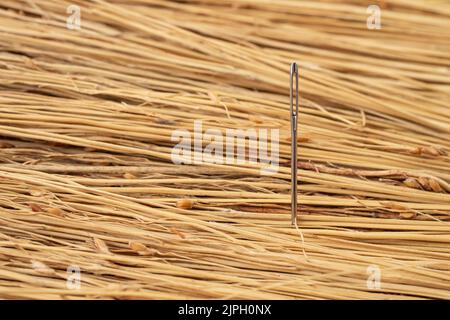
<point>86,177</point>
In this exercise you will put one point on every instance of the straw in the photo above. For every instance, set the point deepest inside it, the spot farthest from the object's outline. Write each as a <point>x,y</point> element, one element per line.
<point>87,179</point>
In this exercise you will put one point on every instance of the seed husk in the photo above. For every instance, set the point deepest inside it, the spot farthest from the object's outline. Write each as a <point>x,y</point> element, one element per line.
<point>185,204</point>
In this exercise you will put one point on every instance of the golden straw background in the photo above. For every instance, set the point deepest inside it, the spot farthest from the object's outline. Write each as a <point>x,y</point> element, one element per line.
<point>86,177</point>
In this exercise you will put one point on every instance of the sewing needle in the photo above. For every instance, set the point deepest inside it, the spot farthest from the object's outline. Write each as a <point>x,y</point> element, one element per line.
<point>294,122</point>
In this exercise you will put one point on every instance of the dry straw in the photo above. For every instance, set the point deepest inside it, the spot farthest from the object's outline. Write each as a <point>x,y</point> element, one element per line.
<point>86,178</point>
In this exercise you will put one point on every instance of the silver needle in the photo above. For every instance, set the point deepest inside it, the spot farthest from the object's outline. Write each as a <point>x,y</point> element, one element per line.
<point>294,121</point>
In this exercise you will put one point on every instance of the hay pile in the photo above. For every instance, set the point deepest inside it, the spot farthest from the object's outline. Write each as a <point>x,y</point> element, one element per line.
<point>86,177</point>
